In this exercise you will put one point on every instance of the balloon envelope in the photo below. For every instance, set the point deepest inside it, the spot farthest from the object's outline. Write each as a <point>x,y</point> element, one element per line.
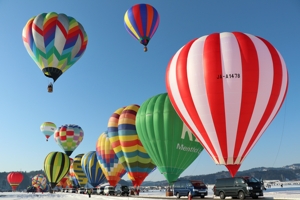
<point>127,146</point>
<point>56,166</point>
<point>14,179</point>
<point>141,21</point>
<point>92,169</point>
<point>108,160</point>
<point>55,42</point>
<point>48,128</point>
<point>227,87</point>
<point>168,141</point>
<point>78,171</point>
<point>68,137</point>
<point>39,181</point>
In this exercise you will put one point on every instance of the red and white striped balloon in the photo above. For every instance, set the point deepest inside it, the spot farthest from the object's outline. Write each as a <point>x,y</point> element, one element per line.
<point>227,87</point>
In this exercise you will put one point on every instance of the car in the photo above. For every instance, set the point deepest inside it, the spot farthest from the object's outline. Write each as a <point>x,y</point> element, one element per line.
<point>31,189</point>
<point>121,190</point>
<point>192,187</point>
<point>81,190</point>
<point>100,190</point>
<point>72,190</point>
<point>238,187</point>
<point>94,191</point>
<point>109,190</point>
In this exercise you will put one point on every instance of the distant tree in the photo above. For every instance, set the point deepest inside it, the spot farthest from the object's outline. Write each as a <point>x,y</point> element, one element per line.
<point>3,183</point>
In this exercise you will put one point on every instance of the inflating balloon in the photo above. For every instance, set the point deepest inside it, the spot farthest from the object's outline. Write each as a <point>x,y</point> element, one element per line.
<point>127,146</point>
<point>108,160</point>
<point>14,179</point>
<point>56,166</point>
<point>92,169</point>
<point>78,171</point>
<point>227,87</point>
<point>39,181</point>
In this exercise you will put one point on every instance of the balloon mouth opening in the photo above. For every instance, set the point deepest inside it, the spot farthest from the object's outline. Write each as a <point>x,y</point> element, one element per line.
<point>233,169</point>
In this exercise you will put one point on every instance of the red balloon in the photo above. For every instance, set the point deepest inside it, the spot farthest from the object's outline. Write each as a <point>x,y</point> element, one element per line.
<point>227,88</point>
<point>14,179</point>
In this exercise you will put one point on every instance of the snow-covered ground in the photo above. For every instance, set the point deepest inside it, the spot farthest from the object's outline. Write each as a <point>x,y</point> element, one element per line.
<point>276,192</point>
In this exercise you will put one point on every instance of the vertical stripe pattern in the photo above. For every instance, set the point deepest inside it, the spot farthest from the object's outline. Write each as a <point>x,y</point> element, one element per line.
<point>92,169</point>
<point>56,166</point>
<point>141,21</point>
<point>227,87</point>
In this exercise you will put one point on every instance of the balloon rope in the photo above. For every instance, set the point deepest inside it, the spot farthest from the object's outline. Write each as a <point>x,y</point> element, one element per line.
<point>196,166</point>
<point>283,126</point>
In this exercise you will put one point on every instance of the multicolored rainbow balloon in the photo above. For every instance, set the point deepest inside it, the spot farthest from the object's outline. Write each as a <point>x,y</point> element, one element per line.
<point>141,21</point>
<point>108,160</point>
<point>55,42</point>
<point>127,145</point>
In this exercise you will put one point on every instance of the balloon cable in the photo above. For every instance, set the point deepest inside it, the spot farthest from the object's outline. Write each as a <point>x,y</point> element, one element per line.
<point>283,126</point>
<point>198,164</point>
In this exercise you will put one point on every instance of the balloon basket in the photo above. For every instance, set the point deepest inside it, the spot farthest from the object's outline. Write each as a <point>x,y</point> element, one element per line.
<point>145,49</point>
<point>50,88</point>
<point>169,193</point>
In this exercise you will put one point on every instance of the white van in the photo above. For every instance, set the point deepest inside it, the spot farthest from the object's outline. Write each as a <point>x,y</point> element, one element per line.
<point>109,190</point>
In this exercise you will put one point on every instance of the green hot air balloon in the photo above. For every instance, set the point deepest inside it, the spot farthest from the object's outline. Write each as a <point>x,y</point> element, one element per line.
<point>56,166</point>
<point>168,141</point>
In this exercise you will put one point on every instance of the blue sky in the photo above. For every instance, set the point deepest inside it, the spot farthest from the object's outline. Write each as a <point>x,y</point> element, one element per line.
<point>114,72</point>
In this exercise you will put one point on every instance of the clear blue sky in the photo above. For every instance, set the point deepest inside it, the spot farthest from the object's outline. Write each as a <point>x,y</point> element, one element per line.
<point>114,72</point>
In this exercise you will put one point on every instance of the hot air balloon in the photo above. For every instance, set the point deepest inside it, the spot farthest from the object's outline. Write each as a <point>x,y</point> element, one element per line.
<point>72,176</point>
<point>48,128</point>
<point>39,181</point>
<point>68,137</point>
<point>127,146</point>
<point>55,42</point>
<point>108,160</point>
<point>227,87</point>
<point>92,169</point>
<point>65,182</point>
<point>56,166</point>
<point>78,171</point>
<point>14,179</point>
<point>141,22</point>
<point>167,140</point>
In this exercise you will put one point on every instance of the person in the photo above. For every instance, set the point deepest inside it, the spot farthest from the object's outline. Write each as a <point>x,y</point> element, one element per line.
<point>89,192</point>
